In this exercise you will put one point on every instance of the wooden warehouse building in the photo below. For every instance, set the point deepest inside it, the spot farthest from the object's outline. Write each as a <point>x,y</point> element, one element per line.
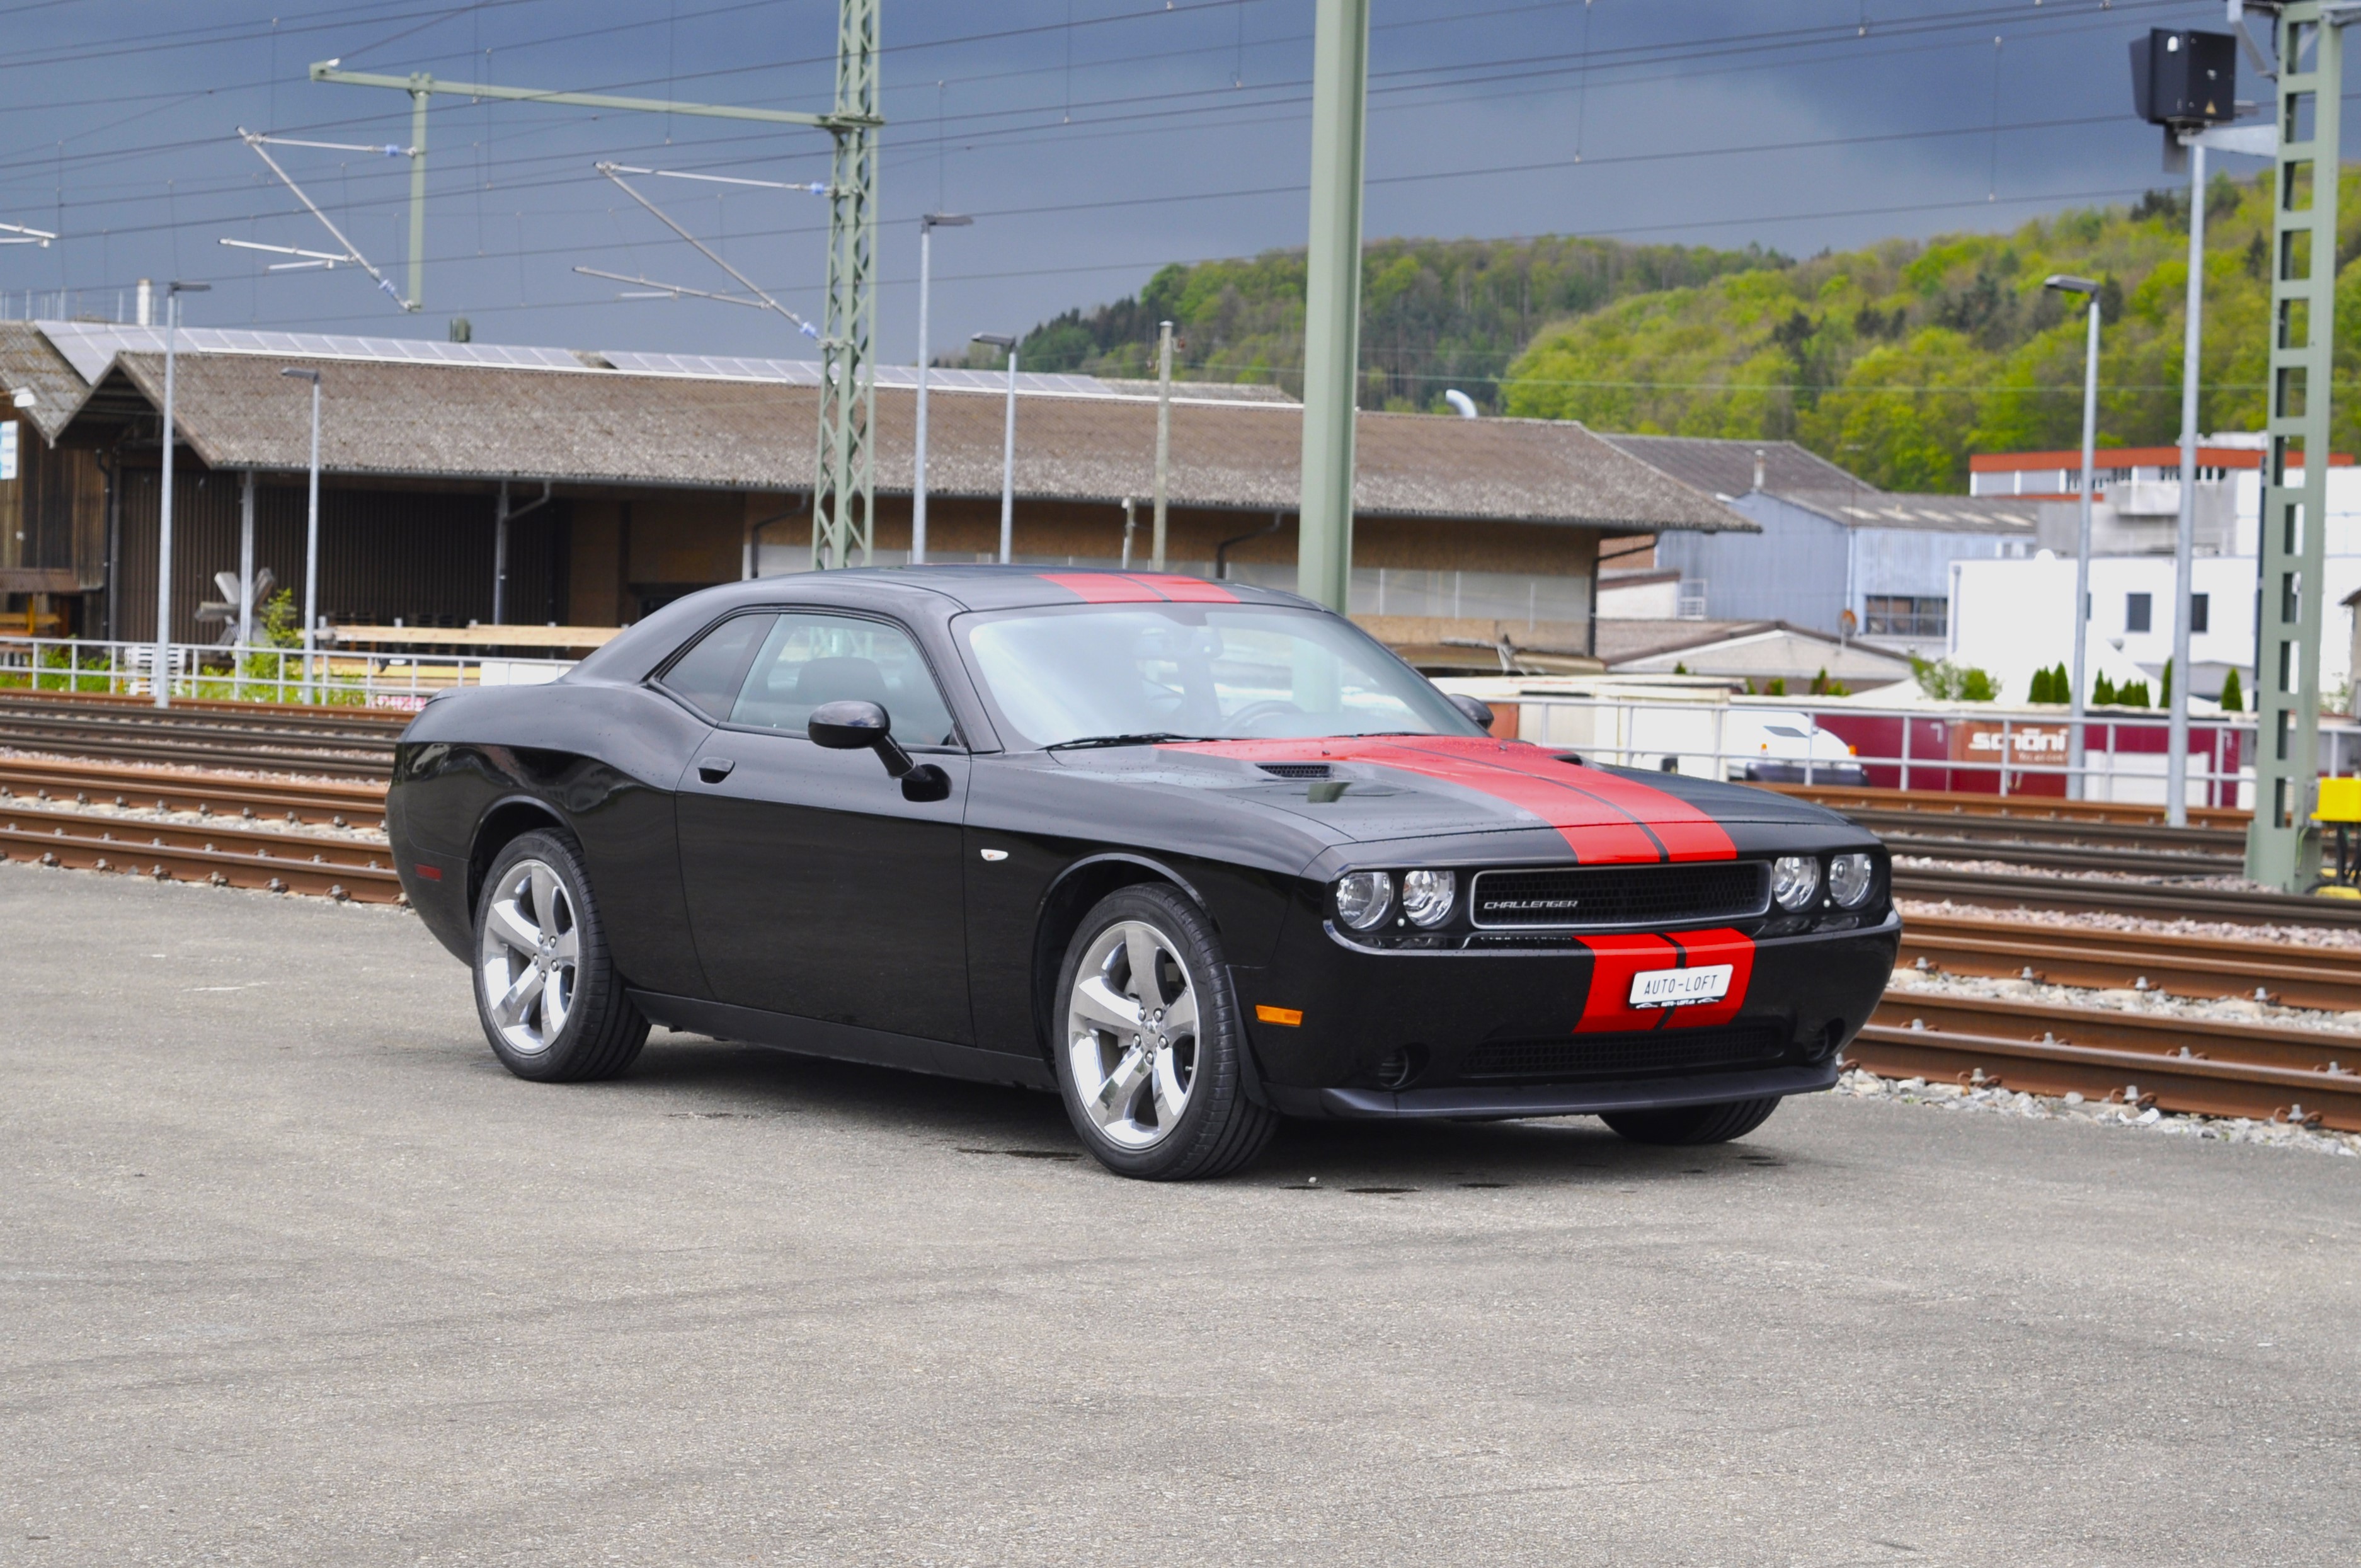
<point>665,474</point>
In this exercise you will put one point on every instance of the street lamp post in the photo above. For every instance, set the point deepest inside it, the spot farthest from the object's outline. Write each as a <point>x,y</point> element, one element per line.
<point>2075,751</point>
<point>927,224</point>
<point>159,674</point>
<point>310,534</point>
<point>1007,451</point>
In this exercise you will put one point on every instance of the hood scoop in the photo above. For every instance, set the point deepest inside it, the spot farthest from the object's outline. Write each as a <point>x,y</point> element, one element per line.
<point>1298,770</point>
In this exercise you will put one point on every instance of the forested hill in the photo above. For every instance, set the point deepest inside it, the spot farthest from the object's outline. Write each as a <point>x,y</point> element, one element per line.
<point>1897,361</point>
<point>1434,313</point>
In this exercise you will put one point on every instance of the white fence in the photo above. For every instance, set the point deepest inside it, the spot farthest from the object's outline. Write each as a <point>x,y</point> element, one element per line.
<point>256,675</point>
<point>1967,747</point>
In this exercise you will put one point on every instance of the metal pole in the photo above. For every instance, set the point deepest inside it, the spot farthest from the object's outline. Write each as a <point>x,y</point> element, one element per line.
<point>312,546</point>
<point>245,562</point>
<point>2075,742</point>
<point>2176,758</point>
<point>159,676</point>
<point>419,92</point>
<point>1332,327</point>
<point>918,457</point>
<point>1163,436</point>
<point>500,557</point>
<point>1008,469</point>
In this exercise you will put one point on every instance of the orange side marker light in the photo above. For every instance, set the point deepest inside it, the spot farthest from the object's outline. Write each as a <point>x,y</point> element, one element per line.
<point>1290,1016</point>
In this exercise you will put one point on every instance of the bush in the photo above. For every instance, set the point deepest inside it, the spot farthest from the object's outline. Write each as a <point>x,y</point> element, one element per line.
<point>1777,686</point>
<point>1823,686</point>
<point>2233,696</point>
<point>2133,693</point>
<point>1945,681</point>
<point>2103,691</point>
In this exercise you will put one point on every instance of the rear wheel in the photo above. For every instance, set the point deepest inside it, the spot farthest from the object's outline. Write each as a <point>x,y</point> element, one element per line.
<point>1151,1050</point>
<point>1693,1124</point>
<point>546,990</point>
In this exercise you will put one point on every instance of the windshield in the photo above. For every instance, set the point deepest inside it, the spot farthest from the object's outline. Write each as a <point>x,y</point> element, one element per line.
<point>1203,672</point>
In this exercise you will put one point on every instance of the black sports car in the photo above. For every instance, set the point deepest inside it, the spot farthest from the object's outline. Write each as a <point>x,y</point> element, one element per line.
<point>1196,855</point>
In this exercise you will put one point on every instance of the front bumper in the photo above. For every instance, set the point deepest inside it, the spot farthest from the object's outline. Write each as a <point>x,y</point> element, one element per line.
<point>1501,1101</point>
<point>1518,1033</point>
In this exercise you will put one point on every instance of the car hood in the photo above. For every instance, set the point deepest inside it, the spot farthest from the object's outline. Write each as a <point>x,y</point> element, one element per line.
<point>1370,788</point>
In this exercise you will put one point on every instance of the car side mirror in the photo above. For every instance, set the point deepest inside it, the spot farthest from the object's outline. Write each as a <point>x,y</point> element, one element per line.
<point>1481,712</point>
<point>856,726</point>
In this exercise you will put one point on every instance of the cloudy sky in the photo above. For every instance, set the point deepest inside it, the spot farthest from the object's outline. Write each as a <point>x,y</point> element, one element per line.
<point>1092,139</point>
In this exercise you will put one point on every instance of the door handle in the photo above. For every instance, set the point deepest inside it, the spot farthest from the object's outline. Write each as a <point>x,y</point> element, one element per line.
<point>713,770</point>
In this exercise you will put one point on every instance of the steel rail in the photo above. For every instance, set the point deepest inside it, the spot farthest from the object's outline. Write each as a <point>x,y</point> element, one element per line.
<point>2201,1065</point>
<point>2039,808</point>
<point>223,855</point>
<point>2199,967</point>
<point>2135,862</point>
<point>2071,832</point>
<point>336,805</point>
<point>2089,895</point>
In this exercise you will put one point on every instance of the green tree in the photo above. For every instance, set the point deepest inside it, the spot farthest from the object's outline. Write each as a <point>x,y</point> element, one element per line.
<point>2234,696</point>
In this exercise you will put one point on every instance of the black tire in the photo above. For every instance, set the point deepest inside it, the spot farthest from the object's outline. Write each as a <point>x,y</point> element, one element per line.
<point>1693,1124</point>
<point>598,1031</point>
<point>1218,1129</point>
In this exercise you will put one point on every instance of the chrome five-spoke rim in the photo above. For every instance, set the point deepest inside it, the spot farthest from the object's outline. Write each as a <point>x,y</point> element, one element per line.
<point>531,955</point>
<point>1131,1033</point>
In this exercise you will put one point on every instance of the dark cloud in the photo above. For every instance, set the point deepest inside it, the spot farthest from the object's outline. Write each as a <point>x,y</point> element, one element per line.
<point>1092,152</point>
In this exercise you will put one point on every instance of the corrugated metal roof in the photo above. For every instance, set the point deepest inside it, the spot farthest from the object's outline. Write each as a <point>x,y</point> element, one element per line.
<point>1721,467</point>
<point>442,420</point>
<point>2004,515</point>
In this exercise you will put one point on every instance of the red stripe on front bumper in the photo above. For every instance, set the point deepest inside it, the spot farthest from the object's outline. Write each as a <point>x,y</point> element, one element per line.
<point>1614,959</point>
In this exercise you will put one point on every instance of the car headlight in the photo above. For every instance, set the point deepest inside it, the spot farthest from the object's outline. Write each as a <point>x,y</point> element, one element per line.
<point>1795,880</point>
<point>1426,896</point>
<point>1363,898</point>
<point>1850,878</point>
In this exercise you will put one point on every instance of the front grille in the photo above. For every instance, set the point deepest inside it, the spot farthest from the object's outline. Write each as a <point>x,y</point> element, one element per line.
<point>1604,897</point>
<point>1295,770</point>
<point>1652,1053</point>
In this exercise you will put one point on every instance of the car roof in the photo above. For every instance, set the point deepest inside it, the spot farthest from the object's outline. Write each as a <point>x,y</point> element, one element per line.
<point>929,593</point>
<point>991,587</point>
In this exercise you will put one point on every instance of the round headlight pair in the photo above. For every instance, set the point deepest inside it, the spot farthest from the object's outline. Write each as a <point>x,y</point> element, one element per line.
<point>1795,881</point>
<point>1365,898</point>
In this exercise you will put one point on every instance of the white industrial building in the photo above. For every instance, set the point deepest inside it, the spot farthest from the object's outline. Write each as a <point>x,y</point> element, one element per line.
<point>2012,617</point>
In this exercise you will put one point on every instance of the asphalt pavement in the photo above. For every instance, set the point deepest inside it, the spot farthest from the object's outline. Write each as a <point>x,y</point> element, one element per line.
<point>293,1272</point>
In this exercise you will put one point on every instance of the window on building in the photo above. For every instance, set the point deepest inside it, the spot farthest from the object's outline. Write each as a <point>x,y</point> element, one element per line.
<point>2198,611</point>
<point>1900,615</point>
<point>2135,612</point>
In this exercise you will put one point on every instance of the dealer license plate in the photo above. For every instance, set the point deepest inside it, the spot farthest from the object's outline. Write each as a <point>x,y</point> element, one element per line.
<point>1680,987</point>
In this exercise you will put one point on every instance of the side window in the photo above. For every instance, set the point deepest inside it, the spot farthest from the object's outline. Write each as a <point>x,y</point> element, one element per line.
<point>809,659</point>
<point>709,675</point>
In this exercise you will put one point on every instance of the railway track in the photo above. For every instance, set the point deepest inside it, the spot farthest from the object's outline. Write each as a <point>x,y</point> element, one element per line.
<point>354,804</point>
<point>344,742</point>
<point>2204,968</point>
<point>225,854</point>
<point>2026,808</point>
<point>2267,1071</point>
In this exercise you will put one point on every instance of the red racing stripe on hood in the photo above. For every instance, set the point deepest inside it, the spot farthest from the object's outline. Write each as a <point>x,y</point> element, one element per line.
<point>1607,1009</point>
<point>1605,819</point>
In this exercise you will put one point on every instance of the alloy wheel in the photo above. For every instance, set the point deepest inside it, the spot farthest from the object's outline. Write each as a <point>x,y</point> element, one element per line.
<point>529,955</point>
<point>1131,1033</point>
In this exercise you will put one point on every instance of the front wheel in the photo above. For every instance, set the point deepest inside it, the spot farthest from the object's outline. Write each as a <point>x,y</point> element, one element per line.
<point>1151,1050</point>
<point>1693,1124</point>
<point>546,990</point>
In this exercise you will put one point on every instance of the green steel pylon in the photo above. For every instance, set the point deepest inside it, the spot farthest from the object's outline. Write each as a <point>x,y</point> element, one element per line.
<point>2283,846</point>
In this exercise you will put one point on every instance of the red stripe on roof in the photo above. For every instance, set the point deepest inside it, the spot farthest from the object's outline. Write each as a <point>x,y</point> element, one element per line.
<point>1185,590</point>
<point>1101,587</point>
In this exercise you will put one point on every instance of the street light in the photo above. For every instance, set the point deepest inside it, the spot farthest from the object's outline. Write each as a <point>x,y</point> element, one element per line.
<point>160,673</point>
<point>310,533</point>
<point>2065,284</point>
<point>1007,450</point>
<point>927,224</point>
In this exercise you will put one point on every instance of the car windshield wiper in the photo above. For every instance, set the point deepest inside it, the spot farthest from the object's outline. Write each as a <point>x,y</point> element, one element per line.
<point>1148,738</point>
